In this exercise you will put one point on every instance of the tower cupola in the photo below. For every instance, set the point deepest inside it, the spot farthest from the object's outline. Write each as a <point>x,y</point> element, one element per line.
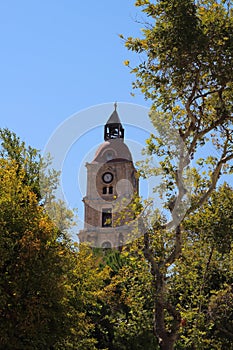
<point>113,128</point>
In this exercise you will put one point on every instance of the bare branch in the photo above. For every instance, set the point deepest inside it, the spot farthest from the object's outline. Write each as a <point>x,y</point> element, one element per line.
<point>206,94</point>
<point>149,255</point>
<point>214,178</point>
<point>200,134</point>
<point>177,248</point>
<point>191,115</point>
<point>176,316</point>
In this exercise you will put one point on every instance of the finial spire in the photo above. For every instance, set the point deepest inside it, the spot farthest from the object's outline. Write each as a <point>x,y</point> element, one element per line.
<point>115,106</point>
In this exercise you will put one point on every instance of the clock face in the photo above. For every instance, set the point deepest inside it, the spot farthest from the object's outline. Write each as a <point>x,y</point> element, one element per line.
<point>107,177</point>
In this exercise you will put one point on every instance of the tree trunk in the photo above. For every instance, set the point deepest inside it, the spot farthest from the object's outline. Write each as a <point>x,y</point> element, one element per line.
<point>167,344</point>
<point>166,338</point>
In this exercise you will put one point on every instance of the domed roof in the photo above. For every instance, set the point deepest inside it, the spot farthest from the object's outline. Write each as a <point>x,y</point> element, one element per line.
<point>112,150</point>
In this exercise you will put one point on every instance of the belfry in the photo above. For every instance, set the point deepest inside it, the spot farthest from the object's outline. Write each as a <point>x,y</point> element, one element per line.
<point>112,183</point>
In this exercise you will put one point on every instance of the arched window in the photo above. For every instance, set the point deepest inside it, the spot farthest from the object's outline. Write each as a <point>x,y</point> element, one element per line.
<point>107,190</point>
<point>106,245</point>
<point>107,217</point>
<point>109,155</point>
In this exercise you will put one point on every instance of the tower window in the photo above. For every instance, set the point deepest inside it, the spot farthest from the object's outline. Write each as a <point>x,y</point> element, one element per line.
<point>109,155</point>
<point>107,190</point>
<point>106,245</point>
<point>107,217</point>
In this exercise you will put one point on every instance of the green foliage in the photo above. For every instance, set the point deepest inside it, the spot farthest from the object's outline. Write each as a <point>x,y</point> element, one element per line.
<point>187,72</point>
<point>85,282</point>
<point>49,289</point>
<point>185,45</point>
<point>221,315</point>
<point>128,300</point>
<point>31,267</point>
<point>37,174</point>
<point>64,296</point>
<point>202,270</point>
<point>219,226</point>
<point>28,159</point>
<point>186,69</point>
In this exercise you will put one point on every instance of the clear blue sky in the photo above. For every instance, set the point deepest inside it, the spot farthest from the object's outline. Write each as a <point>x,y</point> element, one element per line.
<point>59,57</point>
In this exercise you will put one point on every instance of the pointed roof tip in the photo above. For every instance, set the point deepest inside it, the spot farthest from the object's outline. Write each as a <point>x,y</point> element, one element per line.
<point>114,117</point>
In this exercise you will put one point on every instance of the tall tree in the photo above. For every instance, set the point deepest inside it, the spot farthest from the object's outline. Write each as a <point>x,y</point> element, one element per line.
<point>49,287</point>
<point>125,321</point>
<point>85,282</point>
<point>186,70</point>
<point>32,284</point>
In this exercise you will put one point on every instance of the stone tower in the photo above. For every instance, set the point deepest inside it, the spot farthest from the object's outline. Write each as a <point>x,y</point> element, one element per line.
<point>112,182</point>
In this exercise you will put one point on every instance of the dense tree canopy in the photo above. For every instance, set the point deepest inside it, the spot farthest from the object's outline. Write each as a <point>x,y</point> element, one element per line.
<point>186,70</point>
<point>30,266</point>
<point>47,285</point>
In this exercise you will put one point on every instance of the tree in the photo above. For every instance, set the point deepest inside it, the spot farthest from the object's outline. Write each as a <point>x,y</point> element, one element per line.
<point>32,284</point>
<point>207,271</point>
<point>220,311</point>
<point>85,287</point>
<point>50,288</point>
<point>186,70</point>
<point>125,321</point>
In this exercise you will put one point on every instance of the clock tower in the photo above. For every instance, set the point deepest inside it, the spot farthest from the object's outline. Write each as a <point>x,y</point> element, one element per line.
<point>112,183</point>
